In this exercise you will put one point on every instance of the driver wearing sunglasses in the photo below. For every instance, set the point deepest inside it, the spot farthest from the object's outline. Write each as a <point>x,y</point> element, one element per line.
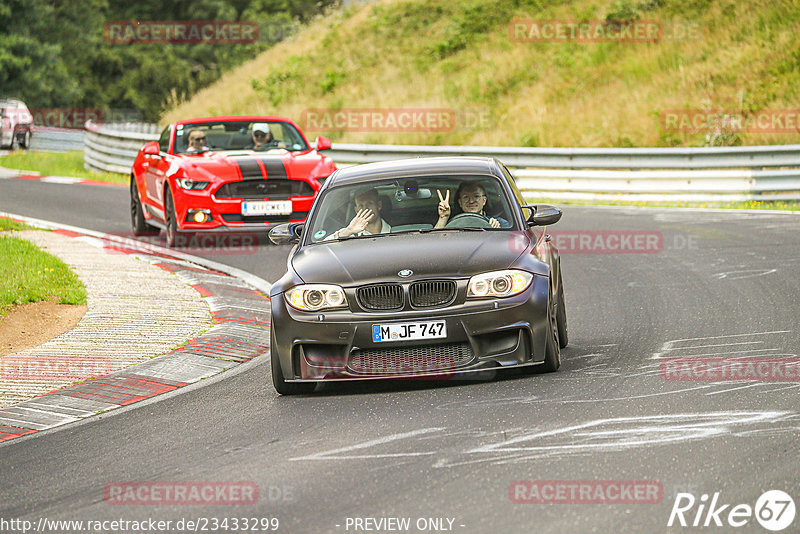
<point>197,142</point>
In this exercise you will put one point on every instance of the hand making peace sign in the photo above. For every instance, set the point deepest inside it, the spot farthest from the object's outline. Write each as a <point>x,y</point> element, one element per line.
<point>444,204</point>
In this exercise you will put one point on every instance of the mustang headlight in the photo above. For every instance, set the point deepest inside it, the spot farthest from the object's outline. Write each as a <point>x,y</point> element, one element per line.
<point>316,297</point>
<point>185,183</point>
<point>499,284</point>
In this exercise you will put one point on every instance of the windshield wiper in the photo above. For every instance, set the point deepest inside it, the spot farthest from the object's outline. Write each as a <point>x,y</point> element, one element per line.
<point>469,228</point>
<point>353,236</point>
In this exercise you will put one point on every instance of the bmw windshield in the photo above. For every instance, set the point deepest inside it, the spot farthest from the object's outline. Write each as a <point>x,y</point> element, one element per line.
<point>419,204</point>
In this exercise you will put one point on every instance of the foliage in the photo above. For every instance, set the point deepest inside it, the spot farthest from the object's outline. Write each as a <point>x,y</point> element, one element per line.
<point>55,54</point>
<point>736,57</point>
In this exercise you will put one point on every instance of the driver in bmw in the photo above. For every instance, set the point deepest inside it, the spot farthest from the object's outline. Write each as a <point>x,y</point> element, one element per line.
<point>472,199</point>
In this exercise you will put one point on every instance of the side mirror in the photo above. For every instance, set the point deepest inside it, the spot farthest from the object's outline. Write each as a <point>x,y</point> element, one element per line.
<point>286,233</point>
<point>323,143</point>
<point>543,215</point>
<point>151,148</point>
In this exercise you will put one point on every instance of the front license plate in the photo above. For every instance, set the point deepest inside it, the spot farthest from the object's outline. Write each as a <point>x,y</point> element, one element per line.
<point>409,331</point>
<point>267,207</point>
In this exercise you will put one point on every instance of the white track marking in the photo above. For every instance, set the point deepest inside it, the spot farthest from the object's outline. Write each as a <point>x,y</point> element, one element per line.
<point>740,275</point>
<point>716,345</point>
<point>331,455</point>
<point>673,344</point>
<point>594,436</point>
<point>746,386</point>
<point>60,179</point>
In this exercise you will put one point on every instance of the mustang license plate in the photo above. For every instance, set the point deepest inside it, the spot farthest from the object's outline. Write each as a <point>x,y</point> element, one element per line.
<point>267,207</point>
<point>409,331</point>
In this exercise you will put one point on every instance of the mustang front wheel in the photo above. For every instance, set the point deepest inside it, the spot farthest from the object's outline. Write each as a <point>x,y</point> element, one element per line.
<point>172,233</point>
<point>138,223</point>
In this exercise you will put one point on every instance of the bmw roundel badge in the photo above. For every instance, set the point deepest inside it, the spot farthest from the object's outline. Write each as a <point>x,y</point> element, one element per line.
<point>405,273</point>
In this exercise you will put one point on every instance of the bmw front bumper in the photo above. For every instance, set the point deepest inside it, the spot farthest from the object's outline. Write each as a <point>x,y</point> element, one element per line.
<point>482,334</point>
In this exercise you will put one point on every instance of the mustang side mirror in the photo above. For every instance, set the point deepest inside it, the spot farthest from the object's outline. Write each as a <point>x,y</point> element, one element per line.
<point>543,214</point>
<point>286,233</point>
<point>151,148</point>
<point>323,143</point>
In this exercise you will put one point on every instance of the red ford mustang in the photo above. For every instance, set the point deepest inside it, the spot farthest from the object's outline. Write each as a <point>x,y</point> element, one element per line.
<point>216,174</point>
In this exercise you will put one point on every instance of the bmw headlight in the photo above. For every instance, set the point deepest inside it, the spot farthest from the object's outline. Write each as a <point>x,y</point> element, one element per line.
<point>185,183</point>
<point>316,297</point>
<point>499,284</point>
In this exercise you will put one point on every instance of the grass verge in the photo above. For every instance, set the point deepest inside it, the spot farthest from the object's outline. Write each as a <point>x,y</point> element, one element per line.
<point>58,164</point>
<point>8,224</point>
<point>28,274</point>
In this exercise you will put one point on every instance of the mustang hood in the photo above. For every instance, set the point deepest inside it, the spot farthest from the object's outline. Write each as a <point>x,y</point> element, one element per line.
<point>252,165</point>
<point>372,259</point>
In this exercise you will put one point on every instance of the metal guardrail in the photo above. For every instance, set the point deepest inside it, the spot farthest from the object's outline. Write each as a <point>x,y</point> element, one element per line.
<point>112,148</point>
<point>50,140</point>
<point>701,174</point>
<point>587,158</point>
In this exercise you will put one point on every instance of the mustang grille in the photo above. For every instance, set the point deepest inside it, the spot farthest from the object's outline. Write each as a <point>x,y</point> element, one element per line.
<point>380,297</point>
<point>258,189</point>
<point>432,293</point>
<point>272,219</point>
<point>410,360</point>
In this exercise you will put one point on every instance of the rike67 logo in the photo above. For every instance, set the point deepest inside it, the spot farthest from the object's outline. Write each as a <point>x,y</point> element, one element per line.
<point>774,510</point>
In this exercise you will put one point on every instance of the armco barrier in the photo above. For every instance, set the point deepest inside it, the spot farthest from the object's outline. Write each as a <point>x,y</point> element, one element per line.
<point>56,140</point>
<point>699,174</point>
<point>112,148</point>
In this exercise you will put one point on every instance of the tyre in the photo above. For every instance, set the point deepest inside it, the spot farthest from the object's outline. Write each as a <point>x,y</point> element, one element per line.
<point>138,223</point>
<point>281,385</point>
<point>561,316</point>
<point>14,141</point>
<point>26,140</point>
<point>172,233</point>
<point>552,351</point>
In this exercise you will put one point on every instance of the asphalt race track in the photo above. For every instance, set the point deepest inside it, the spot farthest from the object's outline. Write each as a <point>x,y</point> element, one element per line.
<point>446,454</point>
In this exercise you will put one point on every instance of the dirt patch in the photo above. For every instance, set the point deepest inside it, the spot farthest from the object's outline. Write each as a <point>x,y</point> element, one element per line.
<point>30,325</point>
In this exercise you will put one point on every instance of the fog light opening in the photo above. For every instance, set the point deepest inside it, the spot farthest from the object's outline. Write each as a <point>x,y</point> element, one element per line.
<point>199,216</point>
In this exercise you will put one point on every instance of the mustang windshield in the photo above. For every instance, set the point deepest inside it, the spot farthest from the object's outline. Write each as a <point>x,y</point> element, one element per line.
<point>239,135</point>
<point>411,205</point>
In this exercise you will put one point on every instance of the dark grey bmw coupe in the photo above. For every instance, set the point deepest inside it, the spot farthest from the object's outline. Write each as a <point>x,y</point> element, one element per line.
<point>421,268</point>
